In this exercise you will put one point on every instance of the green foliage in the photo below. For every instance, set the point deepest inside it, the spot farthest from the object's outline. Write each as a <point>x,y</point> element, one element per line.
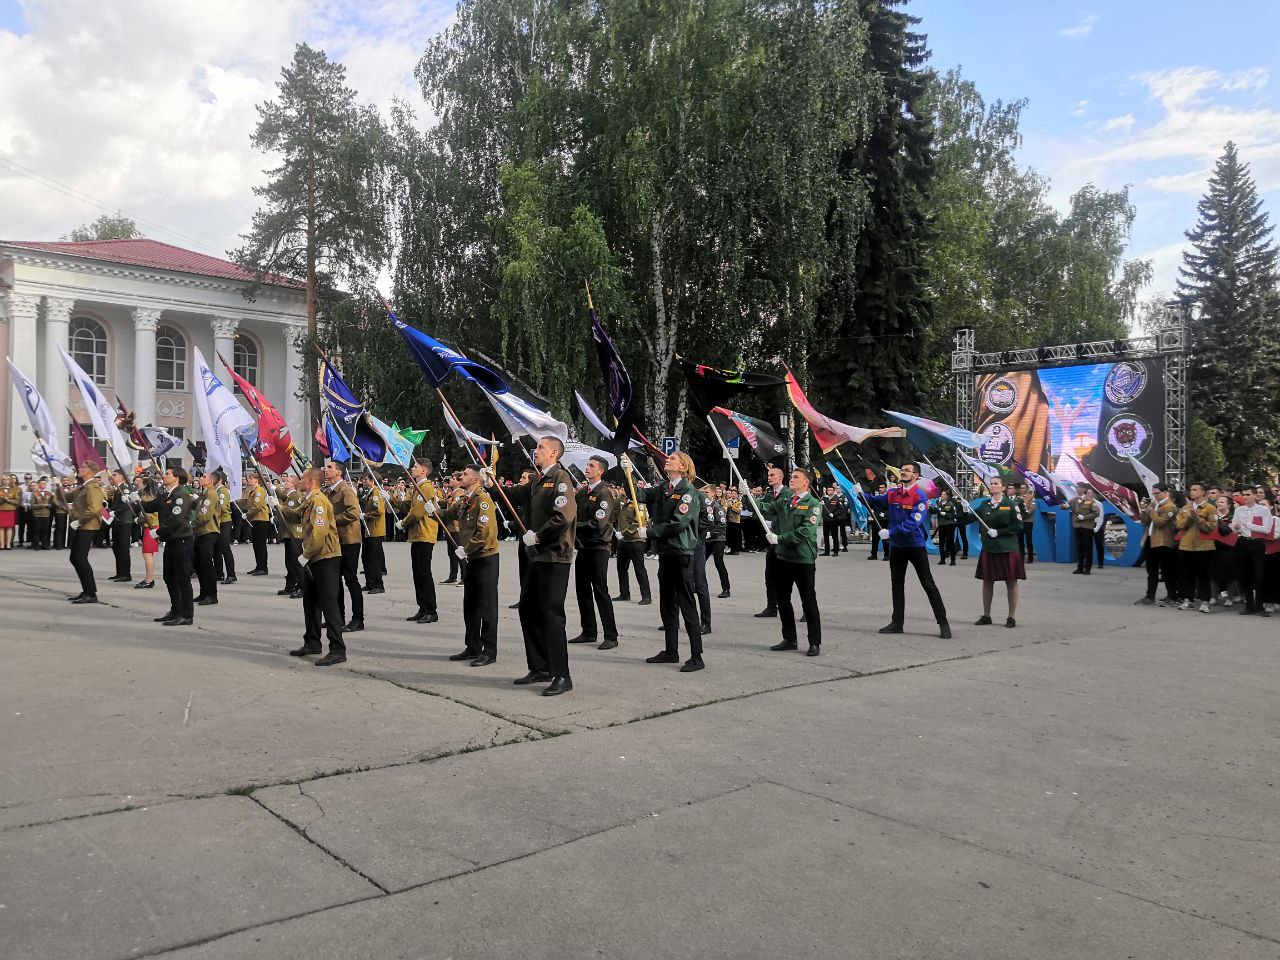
<point>1205,460</point>
<point>109,226</point>
<point>1230,277</point>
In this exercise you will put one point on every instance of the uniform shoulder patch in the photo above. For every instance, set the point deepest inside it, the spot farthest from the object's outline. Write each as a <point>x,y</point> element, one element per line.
<point>684,508</point>
<point>484,518</point>
<point>561,501</point>
<point>687,498</point>
<point>562,487</point>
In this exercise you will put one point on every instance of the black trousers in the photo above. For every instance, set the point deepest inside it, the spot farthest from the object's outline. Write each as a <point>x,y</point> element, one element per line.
<point>292,568</point>
<point>177,576</point>
<point>964,540</point>
<point>1251,560</point>
<point>917,557</point>
<point>1026,540</point>
<point>877,543</point>
<point>375,563</point>
<point>224,561</point>
<point>1084,547</point>
<point>830,536</point>
<point>770,579</point>
<point>1194,565</point>
<point>947,542</point>
<point>631,555</point>
<point>542,593</point>
<point>591,584</point>
<point>351,576</point>
<point>59,531</point>
<point>455,565</point>
<point>206,549</point>
<point>733,533</point>
<point>44,527</point>
<point>1162,564</point>
<point>322,594</point>
<point>424,587</point>
<point>844,533</point>
<point>480,605</point>
<point>675,600</point>
<point>260,532</point>
<point>715,553</point>
<point>120,547</point>
<point>799,575</point>
<point>701,592</point>
<point>81,544</point>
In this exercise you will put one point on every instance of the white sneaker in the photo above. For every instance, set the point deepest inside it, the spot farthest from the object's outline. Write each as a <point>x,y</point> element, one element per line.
<point>1204,608</point>
<point>1185,605</point>
<point>1227,603</point>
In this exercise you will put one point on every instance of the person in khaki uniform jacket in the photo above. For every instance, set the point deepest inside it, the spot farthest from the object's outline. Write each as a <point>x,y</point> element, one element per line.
<point>256,510</point>
<point>448,497</point>
<point>374,506</point>
<point>224,560</point>
<point>41,515</point>
<point>204,528</point>
<point>321,570</point>
<point>85,515</point>
<point>1195,551</point>
<point>291,500</point>
<point>347,515</point>
<point>1162,548</point>
<point>631,520</point>
<point>1084,517</point>
<point>477,520</point>
<point>422,527</point>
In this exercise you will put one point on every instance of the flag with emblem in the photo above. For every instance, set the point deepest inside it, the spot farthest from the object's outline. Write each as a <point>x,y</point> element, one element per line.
<point>711,387</point>
<point>761,436</point>
<point>925,434</point>
<point>830,434</point>
<point>101,414</point>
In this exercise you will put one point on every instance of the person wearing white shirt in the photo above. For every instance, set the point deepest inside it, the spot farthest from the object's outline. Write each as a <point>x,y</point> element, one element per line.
<point>1255,526</point>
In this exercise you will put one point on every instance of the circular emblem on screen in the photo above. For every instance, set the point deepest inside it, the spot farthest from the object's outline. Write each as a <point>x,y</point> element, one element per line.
<point>1124,382</point>
<point>1002,396</point>
<point>999,445</point>
<point>1128,436</point>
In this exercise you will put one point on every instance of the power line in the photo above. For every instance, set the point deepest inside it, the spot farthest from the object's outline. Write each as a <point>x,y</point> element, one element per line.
<point>79,195</point>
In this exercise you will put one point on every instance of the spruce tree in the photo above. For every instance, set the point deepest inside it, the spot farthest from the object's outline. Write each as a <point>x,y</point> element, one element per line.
<point>1230,278</point>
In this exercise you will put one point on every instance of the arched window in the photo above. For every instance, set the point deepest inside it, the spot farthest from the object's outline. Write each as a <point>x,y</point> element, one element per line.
<point>245,361</point>
<point>171,359</point>
<point>89,347</point>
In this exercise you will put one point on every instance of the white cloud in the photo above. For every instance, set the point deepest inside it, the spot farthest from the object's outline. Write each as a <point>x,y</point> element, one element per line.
<point>152,109</point>
<point>1079,108</point>
<point>1123,124</point>
<point>1082,28</point>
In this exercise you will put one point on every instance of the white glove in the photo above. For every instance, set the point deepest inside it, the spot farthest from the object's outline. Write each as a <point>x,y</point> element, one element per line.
<point>642,533</point>
<point>1079,516</point>
<point>617,534</point>
<point>75,524</point>
<point>625,461</point>
<point>460,553</point>
<point>772,538</point>
<point>136,498</point>
<point>991,532</point>
<point>529,539</point>
<point>486,471</point>
<point>274,502</point>
<point>430,508</point>
<point>361,514</point>
<point>884,534</point>
<point>302,563</point>
<point>399,524</point>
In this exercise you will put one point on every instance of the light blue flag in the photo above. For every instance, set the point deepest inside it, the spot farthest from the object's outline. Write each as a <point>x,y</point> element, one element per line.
<point>926,434</point>
<point>852,492</point>
<point>399,450</point>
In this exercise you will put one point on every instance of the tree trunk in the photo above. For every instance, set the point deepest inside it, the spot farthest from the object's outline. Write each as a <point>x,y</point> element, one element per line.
<point>309,363</point>
<point>663,340</point>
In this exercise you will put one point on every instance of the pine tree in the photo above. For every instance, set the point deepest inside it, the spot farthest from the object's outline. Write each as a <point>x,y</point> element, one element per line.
<point>1230,277</point>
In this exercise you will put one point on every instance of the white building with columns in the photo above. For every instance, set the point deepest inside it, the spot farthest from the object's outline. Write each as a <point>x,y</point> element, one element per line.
<point>130,312</point>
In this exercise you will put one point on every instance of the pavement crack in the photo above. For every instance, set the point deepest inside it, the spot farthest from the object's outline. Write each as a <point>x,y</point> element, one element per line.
<point>316,843</point>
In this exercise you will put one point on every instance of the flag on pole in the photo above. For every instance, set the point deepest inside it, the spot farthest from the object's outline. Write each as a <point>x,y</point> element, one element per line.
<point>413,436</point>
<point>333,445</point>
<point>524,419</point>
<point>1043,488</point>
<point>101,413</point>
<point>1067,487</point>
<point>1145,474</point>
<point>157,442</point>
<point>225,424</point>
<point>619,393</point>
<point>438,361</point>
<point>352,422</point>
<point>925,434</point>
<point>712,387</point>
<point>398,449</point>
<point>761,437</point>
<point>829,433</point>
<point>321,437</point>
<point>83,451</point>
<point>274,444</point>
<point>984,470</point>
<point>1120,496</point>
<point>852,492</point>
<point>47,449</point>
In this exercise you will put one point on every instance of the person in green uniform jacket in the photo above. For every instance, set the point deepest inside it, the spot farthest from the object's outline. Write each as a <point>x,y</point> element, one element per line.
<point>947,515</point>
<point>86,518</point>
<point>673,521</point>
<point>1000,522</point>
<point>797,520</point>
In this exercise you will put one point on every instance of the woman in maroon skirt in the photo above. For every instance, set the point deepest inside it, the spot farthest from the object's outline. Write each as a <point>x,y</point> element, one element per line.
<point>999,523</point>
<point>10,501</point>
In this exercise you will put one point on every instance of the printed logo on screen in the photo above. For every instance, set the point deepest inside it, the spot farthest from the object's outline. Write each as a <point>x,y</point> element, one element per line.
<point>1002,396</point>
<point>1125,381</point>
<point>1128,436</point>
<point>999,445</point>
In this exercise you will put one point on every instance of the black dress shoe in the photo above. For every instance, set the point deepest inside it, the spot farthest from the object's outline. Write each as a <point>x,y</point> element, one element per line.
<point>375,589</point>
<point>464,655</point>
<point>199,598</point>
<point>814,650</point>
<point>415,617</point>
<point>944,631</point>
<point>330,658</point>
<point>982,621</point>
<point>76,597</point>
<point>583,638</point>
<point>1010,623</point>
<point>891,628</point>
<point>692,664</point>
<point>285,592</point>
<point>296,595</point>
<point>558,686</point>
<point>144,585</point>
<point>87,598</point>
<point>514,606</point>
<point>533,676</point>
<point>178,622</point>
<point>355,626</point>
<point>767,612</point>
<point>450,580</point>
<point>622,598</point>
<point>704,628</point>
<point>784,645</point>
<point>305,652</point>
<point>723,595</point>
<point>645,601</point>
<point>483,660</point>
<point>607,644</point>
<point>666,656</point>
<point>168,616</point>
<point>257,573</point>
<point>207,602</point>
<point>230,579</point>
<point>429,618</point>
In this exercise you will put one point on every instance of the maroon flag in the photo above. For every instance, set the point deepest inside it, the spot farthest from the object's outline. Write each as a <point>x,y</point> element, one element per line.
<point>322,440</point>
<point>1121,497</point>
<point>83,451</point>
<point>274,448</point>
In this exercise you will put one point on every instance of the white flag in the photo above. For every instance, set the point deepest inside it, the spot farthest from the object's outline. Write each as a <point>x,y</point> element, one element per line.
<point>101,412</point>
<point>525,420</point>
<point>224,423</point>
<point>45,452</point>
<point>579,453</point>
<point>1149,479</point>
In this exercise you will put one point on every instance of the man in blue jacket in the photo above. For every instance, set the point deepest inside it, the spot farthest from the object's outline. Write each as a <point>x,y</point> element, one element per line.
<point>907,533</point>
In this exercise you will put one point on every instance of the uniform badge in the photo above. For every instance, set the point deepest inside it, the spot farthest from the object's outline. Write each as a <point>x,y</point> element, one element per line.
<point>484,518</point>
<point>319,523</point>
<point>686,498</point>
<point>484,505</point>
<point>814,519</point>
<point>599,514</point>
<point>177,510</point>
<point>561,501</point>
<point>684,508</point>
<point>562,488</point>
<point>319,510</point>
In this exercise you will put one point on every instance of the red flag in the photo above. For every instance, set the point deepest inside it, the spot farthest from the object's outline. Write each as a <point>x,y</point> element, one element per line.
<point>322,441</point>
<point>832,433</point>
<point>1120,496</point>
<point>273,449</point>
<point>82,449</point>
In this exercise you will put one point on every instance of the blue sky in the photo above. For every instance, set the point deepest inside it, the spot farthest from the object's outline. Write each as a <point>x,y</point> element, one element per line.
<point>1140,92</point>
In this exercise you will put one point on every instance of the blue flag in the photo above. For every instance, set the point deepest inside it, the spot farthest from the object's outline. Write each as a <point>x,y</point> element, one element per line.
<point>925,434</point>
<point>337,446</point>
<point>350,417</point>
<point>1043,488</point>
<point>398,449</point>
<point>438,361</point>
<point>850,491</point>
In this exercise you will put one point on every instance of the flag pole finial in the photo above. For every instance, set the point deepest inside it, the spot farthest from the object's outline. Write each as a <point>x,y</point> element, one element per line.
<point>587,285</point>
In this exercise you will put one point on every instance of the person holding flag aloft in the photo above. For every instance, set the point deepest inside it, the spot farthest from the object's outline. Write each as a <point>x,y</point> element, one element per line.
<point>1085,515</point>
<point>1000,521</point>
<point>348,516</point>
<point>478,545</point>
<point>906,511</point>
<point>796,521</point>
<point>85,514</point>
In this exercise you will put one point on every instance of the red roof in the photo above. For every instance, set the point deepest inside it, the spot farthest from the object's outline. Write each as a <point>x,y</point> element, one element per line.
<point>142,252</point>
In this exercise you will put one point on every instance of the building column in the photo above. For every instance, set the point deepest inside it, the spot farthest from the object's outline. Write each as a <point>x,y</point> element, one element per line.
<point>224,343</point>
<point>145,321</point>
<point>57,382</point>
<point>23,312</point>
<point>295,407</point>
